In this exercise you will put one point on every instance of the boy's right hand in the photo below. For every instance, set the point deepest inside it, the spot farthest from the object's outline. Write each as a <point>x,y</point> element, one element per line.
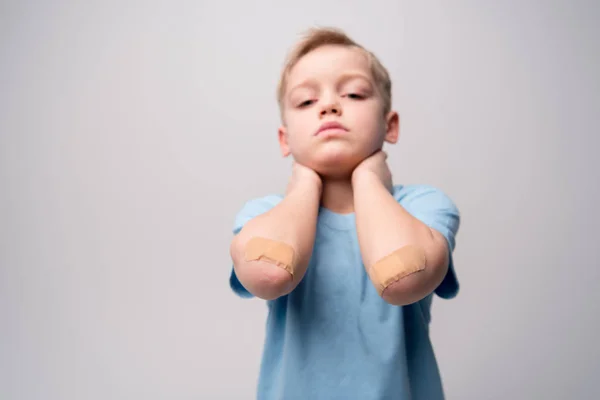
<point>304,178</point>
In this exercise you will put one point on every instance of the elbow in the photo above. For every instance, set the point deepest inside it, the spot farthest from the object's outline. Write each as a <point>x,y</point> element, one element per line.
<point>416,286</point>
<point>408,290</point>
<point>262,279</point>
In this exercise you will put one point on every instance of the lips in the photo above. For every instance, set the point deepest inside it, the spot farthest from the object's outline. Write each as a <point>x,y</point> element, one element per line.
<point>330,126</point>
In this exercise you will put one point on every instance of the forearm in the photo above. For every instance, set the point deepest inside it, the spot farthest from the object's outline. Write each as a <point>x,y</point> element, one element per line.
<point>385,227</point>
<point>291,223</point>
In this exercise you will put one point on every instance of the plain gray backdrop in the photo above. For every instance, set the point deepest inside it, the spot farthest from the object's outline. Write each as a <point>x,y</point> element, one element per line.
<point>132,132</point>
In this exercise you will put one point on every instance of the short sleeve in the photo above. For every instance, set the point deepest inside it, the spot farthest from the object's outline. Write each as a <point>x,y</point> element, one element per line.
<point>435,209</point>
<point>250,209</point>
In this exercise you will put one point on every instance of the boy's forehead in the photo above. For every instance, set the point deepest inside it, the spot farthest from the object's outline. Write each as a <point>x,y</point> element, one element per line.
<point>329,61</point>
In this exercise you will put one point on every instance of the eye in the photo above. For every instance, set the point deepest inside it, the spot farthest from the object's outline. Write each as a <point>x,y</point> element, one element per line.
<point>355,96</point>
<point>305,103</point>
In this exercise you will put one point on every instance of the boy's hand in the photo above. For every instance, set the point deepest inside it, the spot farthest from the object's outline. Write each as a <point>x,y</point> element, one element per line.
<point>374,166</point>
<point>303,177</point>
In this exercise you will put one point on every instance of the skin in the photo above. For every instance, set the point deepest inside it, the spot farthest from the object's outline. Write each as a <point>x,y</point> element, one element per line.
<point>344,170</point>
<point>334,83</point>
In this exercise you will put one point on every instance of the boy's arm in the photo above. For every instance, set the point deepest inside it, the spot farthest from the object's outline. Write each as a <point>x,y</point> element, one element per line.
<point>289,228</point>
<point>409,258</point>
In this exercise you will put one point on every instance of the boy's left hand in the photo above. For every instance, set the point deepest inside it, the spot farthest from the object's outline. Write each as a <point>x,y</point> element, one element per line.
<point>376,166</point>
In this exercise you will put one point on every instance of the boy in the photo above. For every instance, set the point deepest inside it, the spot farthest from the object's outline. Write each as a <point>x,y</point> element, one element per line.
<point>347,262</point>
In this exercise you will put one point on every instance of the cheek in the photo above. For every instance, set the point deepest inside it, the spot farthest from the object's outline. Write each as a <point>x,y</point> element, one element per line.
<point>299,129</point>
<point>363,114</point>
<point>369,124</point>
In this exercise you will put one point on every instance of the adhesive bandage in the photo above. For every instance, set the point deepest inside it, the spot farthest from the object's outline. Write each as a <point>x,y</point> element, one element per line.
<point>271,251</point>
<point>401,263</point>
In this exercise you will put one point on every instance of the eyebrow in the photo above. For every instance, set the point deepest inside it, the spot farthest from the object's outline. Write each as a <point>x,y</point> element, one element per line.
<point>353,75</point>
<point>305,84</point>
<point>308,83</point>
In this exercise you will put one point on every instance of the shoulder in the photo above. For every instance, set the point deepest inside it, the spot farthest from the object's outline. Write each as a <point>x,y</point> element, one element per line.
<point>424,199</point>
<point>253,208</point>
<point>432,206</point>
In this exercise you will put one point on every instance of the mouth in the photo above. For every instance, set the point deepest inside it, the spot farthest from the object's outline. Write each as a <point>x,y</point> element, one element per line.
<point>331,126</point>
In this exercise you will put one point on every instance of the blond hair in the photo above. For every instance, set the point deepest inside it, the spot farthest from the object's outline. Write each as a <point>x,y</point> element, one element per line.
<point>317,37</point>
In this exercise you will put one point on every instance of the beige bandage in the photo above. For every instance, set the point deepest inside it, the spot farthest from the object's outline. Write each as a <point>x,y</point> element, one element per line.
<point>271,251</point>
<point>392,268</point>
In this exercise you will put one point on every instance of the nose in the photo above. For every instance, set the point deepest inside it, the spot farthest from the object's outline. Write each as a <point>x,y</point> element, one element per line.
<point>331,107</point>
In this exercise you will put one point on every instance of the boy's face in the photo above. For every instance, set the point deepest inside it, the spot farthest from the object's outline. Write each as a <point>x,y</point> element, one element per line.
<point>334,85</point>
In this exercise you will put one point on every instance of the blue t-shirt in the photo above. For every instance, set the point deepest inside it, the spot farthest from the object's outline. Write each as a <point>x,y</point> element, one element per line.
<point>334,337</point>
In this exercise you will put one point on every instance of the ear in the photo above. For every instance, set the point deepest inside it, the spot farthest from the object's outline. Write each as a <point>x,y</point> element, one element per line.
<point>283,141</point>
<point>392,127</point>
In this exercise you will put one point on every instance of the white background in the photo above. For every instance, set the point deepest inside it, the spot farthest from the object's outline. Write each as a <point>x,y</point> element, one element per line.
<point>131,134</point>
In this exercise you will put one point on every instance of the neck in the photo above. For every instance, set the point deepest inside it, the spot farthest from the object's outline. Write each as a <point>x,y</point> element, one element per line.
<point>337,196</point>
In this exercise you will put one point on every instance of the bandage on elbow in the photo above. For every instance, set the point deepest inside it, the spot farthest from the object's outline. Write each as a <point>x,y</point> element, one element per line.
<point>399,264</point>
<point>271,251</point>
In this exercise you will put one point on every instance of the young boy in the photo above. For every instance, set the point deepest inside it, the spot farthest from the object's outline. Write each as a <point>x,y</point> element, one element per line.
<point>347,262</point>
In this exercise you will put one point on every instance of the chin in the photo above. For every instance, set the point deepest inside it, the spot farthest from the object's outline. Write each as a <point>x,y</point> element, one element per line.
<point>335,165</point>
